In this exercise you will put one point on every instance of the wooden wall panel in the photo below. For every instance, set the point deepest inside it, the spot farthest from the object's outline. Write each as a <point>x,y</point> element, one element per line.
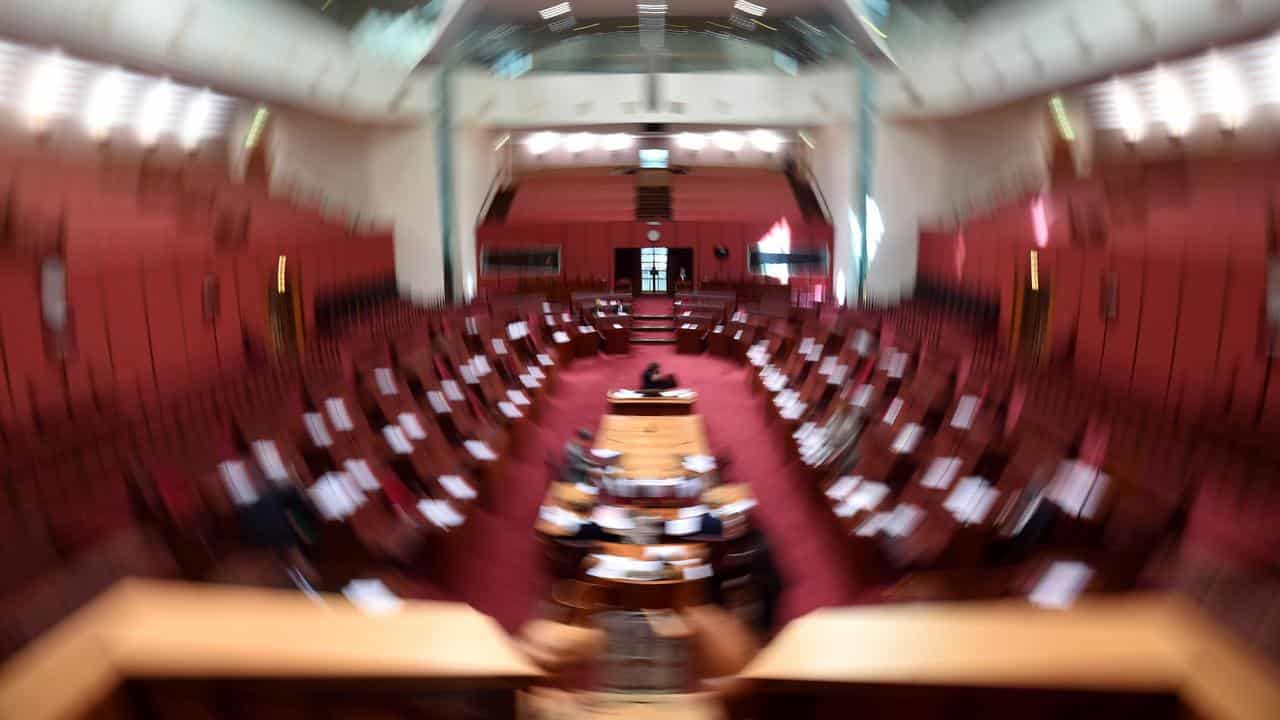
<point>1157,332</point>
<point>166,327</point>
<point>130,343</point>
<point>1195,361</point>
<point>1122,332</point>
<point>1091,328</point>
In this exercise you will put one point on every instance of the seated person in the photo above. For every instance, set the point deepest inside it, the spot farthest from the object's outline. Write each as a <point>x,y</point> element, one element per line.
<point>577,457</point>
<point>653,379</point>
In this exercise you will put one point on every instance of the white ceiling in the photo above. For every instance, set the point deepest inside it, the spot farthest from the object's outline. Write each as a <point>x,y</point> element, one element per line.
<point>527,10</point>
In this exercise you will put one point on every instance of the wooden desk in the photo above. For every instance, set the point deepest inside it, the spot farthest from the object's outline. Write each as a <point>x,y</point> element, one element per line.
<point>652,447</point>
<point>620,403</point>
<point>1136,644</point>
<point>164,630</point>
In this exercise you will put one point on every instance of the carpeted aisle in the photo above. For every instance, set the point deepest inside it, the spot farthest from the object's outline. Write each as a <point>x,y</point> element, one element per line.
<point>497,566</point>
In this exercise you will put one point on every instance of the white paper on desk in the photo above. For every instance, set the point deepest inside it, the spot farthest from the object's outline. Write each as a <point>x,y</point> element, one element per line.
<point>903,520</point>
<point>862,396</point>
<point>737,335</point>
<point>941,472</point>
<point>612,517</point>
<point>684,526</point>
<point>587,489</point>
<point>867,496</point>
<point>689,326</point>
<point>440,513</point>
<point>514,331</point>
<point>966,409</point>
<point>396,439</point>
<point>517,397</point>
<point>698,463</point>
<point>472,327</point>
<point>236,479</point>
<point>452,390</point>
<point>664,552</point>
<point>841,488</point>
<point>616,326</point>
<point>457,487</point>
<point>692,511</point>
<point>551,322</point>
<point>805,346</point>
<point>605,453</point>
<point>828,365</point>
<point>535,372</point>
<point>386,381</point>
<point>480,364</point>
<point>627,394</point>
<point>268,457</point>
<point>814,354</point>
<point>510,410</point>
<point>437,402</point>
<point>873,524</point>
<point>529,381</point>
<point>411,426</point>
<point>317,430</point>
<point>338,414</point>
<point>697,572</point>
<point>718,329</point>
<point>364,477</point>
<point>1061,584</point>
<point>838,374</point>
<point>586,329</point>
<point>560,336</point>
<point>545,360</point>
<point>499,347</point>
<point>793,411</point>
<point>908,439</point>
<point>565,317</point>
<point>983,499</point>
<point>862,343</point>
<point>898,365</point>
<point>479,450</point>
<point>546,307</point>
<point>335,496</point>
<point>686,313</point>
<point>560,517</point>
<point>372,597</point>
<point>891,415</point>
<point>1078,488</point>
<point>734,508</point>
<point>468,375</point>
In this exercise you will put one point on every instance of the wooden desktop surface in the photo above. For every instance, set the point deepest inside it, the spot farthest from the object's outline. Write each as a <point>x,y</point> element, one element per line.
<point>142,629</point>
<point>652,446</point>
<point>614,398</point>
<point>1135,642</point>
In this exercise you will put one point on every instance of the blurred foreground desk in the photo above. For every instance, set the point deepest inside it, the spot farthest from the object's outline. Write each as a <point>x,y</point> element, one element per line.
<point>145,647</point>
<point>1123,656</point>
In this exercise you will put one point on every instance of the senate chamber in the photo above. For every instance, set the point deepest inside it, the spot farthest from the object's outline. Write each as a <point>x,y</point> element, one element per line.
<point>695,359</point>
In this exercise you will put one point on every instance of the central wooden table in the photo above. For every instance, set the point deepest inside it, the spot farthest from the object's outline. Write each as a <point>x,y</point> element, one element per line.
<point>625,402</point>
<point>652,446</point>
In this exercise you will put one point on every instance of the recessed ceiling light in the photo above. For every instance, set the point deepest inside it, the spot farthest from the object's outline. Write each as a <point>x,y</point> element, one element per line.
<point>691,141</point>
<point>104,104</point>
<point>616,141</point>
<point>1172,103</point>
<point>727,141</point>
<point>580,142</point>
<point>543,142</point>
<point>196,120</point>
<point>155,112</point>
<point>765,140</point>
<point>749,8</point>
<point>44,90</point>
<point>555,11</point>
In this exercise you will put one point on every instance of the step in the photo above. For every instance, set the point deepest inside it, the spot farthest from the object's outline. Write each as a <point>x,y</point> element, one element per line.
<point>653,341</point>
<point>653,328</point>
<point>654,317</point>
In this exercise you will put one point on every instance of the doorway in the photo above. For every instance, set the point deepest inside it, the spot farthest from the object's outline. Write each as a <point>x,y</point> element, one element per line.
<point>1032,312</point>
<point>653,270</point>
<point>284,322</point>
<point>680,268</point>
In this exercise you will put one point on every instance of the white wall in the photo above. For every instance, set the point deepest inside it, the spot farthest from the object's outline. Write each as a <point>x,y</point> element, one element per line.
<point>312,157</point>
<point>575,99</point>
<point>475,164</point>
<point>907,177</point>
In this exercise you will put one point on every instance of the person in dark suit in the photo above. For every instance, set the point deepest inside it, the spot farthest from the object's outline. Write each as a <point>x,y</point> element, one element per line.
<point>653,379</point>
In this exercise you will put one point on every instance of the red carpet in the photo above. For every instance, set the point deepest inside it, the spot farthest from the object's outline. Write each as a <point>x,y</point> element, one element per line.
<point>497,566</point>
<point>656,305</point>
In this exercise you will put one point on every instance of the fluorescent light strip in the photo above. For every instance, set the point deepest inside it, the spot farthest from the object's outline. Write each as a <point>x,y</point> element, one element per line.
<point>555,11</point>
<point>749,8</point>
<point>1172,105</point>
<point>196,119</point>
<point>651,8</point>
<point>104,104</point>
<point>1060,117</point>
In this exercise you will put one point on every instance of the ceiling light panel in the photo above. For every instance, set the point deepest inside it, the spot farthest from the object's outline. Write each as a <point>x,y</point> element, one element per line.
<point>1223,85</point>
<point>41,87</point>
<point>749,8</point>
<point>555,11</point>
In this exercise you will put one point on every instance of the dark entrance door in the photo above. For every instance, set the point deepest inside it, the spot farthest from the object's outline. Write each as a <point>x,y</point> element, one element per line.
<point>626,270</point>
<point>679,269</point>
